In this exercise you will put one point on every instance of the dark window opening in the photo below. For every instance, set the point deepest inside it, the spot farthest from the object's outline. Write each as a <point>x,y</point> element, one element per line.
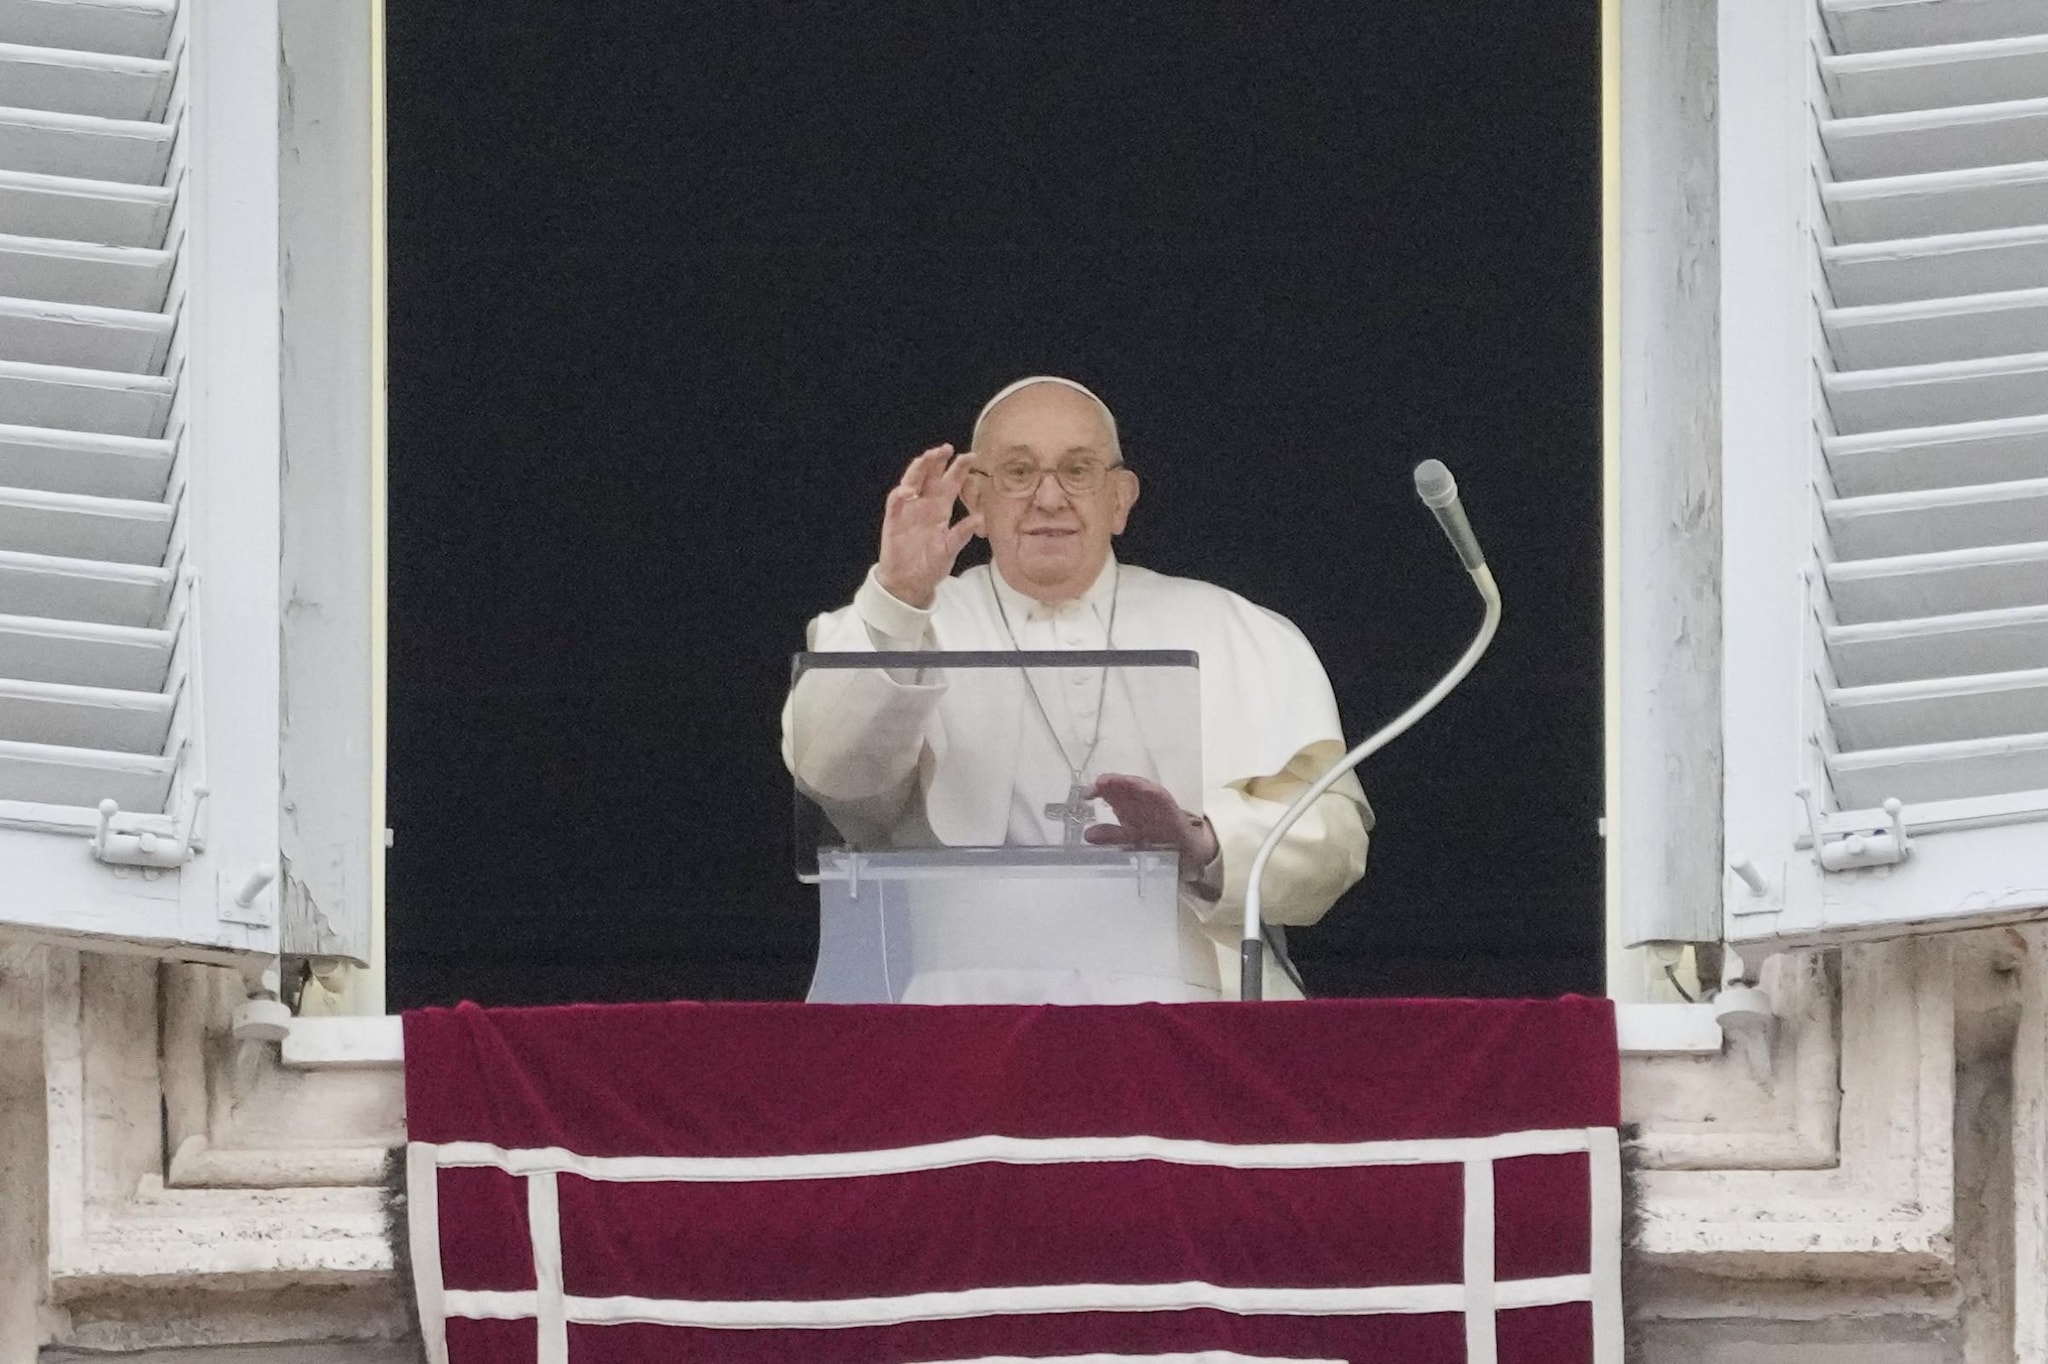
<point>675,296</point>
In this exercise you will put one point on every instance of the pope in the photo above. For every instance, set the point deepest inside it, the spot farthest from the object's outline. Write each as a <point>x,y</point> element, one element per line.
<point>1045,483</point>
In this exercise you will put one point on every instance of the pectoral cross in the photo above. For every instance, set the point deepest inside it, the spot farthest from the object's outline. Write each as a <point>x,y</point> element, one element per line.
<point>1074,815</point>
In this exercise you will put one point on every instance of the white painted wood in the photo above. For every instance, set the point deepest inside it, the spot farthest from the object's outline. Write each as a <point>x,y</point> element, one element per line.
<point>1873,25</point>
<point>1910,560</point>
<point>1930,331</point>
<point>83,589</point>
<point>68,525</point>
<point>1939,202</point>
<point>130,277</point>
<point>1663,818</point>
<point>231,404</point>
<point>1939,710</point>
<point>71,209</point>
<point>1902,79</point>
<point>1769,278</point>
<point>79,334</point>
<point>84,399</point>
<point>84,717</point>
<point>330,384</point>
<point>1938,646</point>
<point>1667,1030</point>
<point>1945,583</point>
<point>1929,520</point>
<point>344,1043</point>
<point>1929,140</point>
<point>1941,394</point>
<point>128,151</point>
<point>80,653</point>
<point>84,777</point>
<point>1938,456</point>
<point>135,28</point>
<point>1957,770</point>
<point>71,82</point>
<point>1946,266</point>
<point>83,462</point>
<point>1940,816</point>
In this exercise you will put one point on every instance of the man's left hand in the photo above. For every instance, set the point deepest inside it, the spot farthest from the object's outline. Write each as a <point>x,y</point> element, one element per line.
<point>1148,816</point>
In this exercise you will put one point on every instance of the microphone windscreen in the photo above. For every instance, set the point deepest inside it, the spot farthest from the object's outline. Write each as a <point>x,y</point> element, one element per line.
<point>1434,484</point>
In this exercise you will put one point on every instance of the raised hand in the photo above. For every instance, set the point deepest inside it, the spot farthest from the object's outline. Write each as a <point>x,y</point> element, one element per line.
<point>920,538</point>
<point>1148,816</point>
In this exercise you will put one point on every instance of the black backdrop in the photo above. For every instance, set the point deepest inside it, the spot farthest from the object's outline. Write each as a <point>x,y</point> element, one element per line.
<point>677,289</point>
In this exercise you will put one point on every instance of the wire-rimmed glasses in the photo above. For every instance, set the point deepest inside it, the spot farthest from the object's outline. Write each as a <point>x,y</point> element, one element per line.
<point>1080,475</point>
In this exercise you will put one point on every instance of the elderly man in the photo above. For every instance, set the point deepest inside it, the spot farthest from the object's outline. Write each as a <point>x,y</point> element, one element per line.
<point>1045,484</point>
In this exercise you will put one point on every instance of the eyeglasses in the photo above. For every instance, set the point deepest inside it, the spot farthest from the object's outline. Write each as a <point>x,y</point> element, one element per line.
<point>1023,477</point>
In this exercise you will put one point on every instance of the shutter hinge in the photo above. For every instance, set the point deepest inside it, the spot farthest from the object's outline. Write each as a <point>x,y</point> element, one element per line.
<point>1877,848</point>
<point>145,847</point>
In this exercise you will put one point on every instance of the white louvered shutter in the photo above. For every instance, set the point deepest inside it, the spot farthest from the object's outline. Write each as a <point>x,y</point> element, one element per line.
<point>1884,178</point>
<point>137,434</point>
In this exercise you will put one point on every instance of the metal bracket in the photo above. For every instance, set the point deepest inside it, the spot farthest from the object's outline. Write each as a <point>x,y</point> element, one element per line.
<point>245,902</point>
<point>1878,848</point>
<point>144,848</point>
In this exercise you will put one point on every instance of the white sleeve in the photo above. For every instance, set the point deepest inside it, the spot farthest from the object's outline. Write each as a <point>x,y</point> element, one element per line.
<point>1322,856</point>
<point>852,737</point>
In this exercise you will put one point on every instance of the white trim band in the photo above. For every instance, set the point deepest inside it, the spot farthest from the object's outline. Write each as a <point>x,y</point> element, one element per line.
<point>1023,1300</point>
<point>1014,1151</point>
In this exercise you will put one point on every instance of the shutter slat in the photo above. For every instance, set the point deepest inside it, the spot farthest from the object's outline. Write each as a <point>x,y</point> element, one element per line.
<point>70,82</point>
<point>1875,25</point>
<point>1947,266</point>
<point>84,462</point>
<point>82,589</point>
<point>1941,202</point>
<point>84,655</point>
<point>52,775</point>
<point>1947,583</point>
<point>1950,392</point>
<point>2010,639</point>
<point>1925,457</point>
<point>132,28</point>
<point>99,528</point>
<point>106,401</point>
<point>80,335</point>
<point>1903,79</point>
<point>69,208</point>
<point>1952,771</point>
<point>1929,331</point>
<point>128,151</point>
<point>1943,710</point>
<point>84,717</point>
<point>87,321</point>
<point>1931,140</point>
<point>130,277</point>
<point>1885,525</point>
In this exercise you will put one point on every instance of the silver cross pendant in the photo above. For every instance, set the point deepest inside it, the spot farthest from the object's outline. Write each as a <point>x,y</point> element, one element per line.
<point>1073,815</point>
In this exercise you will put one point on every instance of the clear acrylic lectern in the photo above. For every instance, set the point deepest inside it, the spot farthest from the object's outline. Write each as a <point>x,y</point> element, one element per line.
<point>943,810</point>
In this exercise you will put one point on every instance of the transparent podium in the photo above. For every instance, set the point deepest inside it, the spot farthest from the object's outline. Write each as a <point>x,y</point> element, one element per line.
<point>945,810</point>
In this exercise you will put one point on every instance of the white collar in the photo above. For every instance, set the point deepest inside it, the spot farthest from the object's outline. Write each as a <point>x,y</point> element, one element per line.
<point>1021,606</point>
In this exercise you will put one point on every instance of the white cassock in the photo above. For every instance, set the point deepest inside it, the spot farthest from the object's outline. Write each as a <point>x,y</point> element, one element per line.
<point>1269,728</point>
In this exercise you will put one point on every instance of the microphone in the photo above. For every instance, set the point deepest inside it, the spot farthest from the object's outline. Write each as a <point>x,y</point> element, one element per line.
<point>1439,492</point>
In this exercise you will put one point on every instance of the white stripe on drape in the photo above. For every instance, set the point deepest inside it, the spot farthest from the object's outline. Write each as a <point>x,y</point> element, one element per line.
<point>550,1310</point>
<point>1480,1344</point>
<point>1035,1299</point>
<point>423,1244</point>
<point>1604,1157</point>
<point>1200,1357</point>
<point>1015,1151</point>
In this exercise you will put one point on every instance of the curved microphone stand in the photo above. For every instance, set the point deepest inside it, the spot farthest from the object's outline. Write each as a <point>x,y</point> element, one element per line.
<point>1434,484</point>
